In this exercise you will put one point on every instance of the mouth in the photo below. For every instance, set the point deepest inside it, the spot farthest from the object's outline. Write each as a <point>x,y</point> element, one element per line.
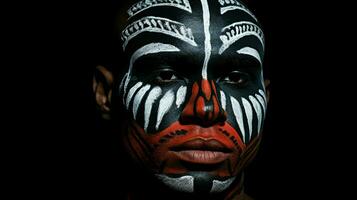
<point>202,151</point>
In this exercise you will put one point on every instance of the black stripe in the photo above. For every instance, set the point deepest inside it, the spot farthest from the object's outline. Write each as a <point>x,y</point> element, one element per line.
<point>238,14</point>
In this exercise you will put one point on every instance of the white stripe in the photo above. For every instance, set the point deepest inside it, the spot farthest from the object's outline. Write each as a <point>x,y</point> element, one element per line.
<point>261,101</point>
<point>237,110</point>
<point>220,186</point>
<point>122,82</point>
<point>180,96</point>
<point>146,4</point>
<point>258,111</point>
<point>138,97</point>
<point>164,106</point>
<point>230,8</point>
<point>223,100</point>
<point>131,93</point>
<point>145,50</point>
<point>249,115</point>
<point>127,80</point>
<point>153,95</point>
<point>155,24</point>
<point>206,25</point>
<point>183,183</point>
<point>226,45</point>
<point>243,27</point>
<point>150,49</point>
<point>250,51</point>
<point>122,85</point>
<point>263,95</point>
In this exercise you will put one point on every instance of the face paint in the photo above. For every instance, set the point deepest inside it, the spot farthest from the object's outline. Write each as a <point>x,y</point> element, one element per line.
<point>195,128</point>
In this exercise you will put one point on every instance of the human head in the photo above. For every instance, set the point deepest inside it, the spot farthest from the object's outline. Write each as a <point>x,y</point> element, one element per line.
<point>193,92</point>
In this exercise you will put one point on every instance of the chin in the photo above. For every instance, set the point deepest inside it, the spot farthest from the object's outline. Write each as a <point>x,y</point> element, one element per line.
<point>196,182</point>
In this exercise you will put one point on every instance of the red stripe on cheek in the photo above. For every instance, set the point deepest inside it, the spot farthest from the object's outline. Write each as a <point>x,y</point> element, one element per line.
<point>206,89</point>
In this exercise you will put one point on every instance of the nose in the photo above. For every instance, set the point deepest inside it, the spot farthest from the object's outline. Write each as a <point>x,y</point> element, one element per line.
<point>203,107</point>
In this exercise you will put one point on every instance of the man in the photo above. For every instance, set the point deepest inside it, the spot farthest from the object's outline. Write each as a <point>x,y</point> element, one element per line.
<point>189,96</point>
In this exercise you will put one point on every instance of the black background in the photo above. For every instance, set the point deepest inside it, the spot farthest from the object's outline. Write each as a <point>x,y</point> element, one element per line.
<point>73,154</point>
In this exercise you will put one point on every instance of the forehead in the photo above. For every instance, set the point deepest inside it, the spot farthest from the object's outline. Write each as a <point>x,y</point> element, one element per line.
<point>184,20</point>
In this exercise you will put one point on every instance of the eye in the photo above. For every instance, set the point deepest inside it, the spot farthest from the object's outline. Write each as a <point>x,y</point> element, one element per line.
<point>166,76</point>
<point>236,77</point>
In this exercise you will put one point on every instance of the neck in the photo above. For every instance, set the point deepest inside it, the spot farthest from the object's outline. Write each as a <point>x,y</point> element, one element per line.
<point>143,192</point>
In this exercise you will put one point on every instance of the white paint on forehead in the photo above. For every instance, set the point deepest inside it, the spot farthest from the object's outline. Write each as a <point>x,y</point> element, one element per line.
<point>160,25</point>
<point>258,110</point>
<point>250,51</point>
<point>249,114</point>
<point>220,186</point>
<point>138,98</point>
<point>183,183</point>
<point>237,111</point>
<point>150,49</point>
<point>146,4</point>
<point>164,106</point>
<point>236,31</point>
<point>131,93</point>
<point>234,5</point>
<point>230,8</point>
<point>180,96</point>
<point>152,97</point>
<point>206,26</point>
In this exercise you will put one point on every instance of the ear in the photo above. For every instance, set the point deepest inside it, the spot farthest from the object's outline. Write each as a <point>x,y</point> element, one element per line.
<point>102,88</point>
<point>267,89</point>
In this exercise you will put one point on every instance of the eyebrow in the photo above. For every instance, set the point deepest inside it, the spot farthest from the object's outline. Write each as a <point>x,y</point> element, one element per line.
<point>157,25</point>
<point>238,30</point>
<point>251,52</point>
<point>146,4</point>
<point>151,48</point>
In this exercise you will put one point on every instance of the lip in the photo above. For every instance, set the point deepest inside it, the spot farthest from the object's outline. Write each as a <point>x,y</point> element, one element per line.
<point>202,151</point>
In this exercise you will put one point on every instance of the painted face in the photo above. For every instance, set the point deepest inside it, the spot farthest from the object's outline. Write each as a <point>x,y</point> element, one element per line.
<point>194,90</point>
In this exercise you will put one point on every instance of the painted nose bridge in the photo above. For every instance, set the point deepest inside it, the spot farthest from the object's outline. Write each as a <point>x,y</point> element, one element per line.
<point>203,107</point>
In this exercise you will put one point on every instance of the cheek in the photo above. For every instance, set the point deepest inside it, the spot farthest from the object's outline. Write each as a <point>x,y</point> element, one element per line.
<point>245,111</point>
<point>154,107</point>
<point>137,147</point>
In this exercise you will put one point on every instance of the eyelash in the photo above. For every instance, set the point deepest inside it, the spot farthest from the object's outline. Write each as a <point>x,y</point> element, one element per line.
<point>166,76</point>
<point>236,77</point>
